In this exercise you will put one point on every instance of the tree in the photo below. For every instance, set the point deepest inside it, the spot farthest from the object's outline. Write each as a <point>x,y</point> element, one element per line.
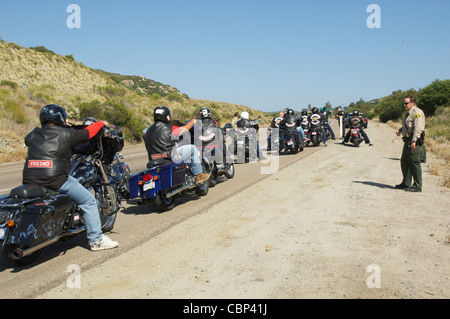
<point>434,95</point>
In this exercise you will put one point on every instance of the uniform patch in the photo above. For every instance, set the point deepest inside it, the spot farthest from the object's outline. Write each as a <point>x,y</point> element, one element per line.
<point>417,116</point>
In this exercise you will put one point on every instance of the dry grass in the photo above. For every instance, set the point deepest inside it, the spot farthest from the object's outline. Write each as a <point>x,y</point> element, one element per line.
<point>41,79</point>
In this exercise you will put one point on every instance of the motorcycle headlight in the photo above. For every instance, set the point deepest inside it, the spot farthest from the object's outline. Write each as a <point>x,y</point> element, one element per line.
<point>4,217</point>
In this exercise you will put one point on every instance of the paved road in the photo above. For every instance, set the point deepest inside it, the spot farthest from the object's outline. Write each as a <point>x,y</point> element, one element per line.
<point>135,224</point>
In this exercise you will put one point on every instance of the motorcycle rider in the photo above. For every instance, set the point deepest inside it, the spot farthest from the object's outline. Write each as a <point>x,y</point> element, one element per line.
<point>324,118</point>
<point>50,148</point>
<point>207,123</point>
<point>357,122</point>
<point>161,142</point>
<point>244,122</point>
<point>290,123</point>
<point>316,119</point>
<point>275,124</point>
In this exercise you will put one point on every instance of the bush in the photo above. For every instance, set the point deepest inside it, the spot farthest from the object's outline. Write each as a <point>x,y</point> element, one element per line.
<point>434,95</point>
<point>11,84</point>
<point>43,49</point>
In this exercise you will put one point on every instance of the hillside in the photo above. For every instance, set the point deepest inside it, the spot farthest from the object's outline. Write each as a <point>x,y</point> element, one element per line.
<point>33,77</point>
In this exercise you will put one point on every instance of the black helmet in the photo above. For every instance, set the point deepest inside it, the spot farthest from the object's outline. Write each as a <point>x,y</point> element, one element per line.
<point>290,112</point>
<point>304,113</point>
<point>160,114</point>
<point>53,113</point>
<point>355,113</point>
<point>205,113</point>
<point>89,121</point>
<point>315,110</point>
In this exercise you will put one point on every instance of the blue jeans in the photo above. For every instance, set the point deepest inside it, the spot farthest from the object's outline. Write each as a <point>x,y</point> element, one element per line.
<point>331,131</point>
<point>188,154</point>
<point>301,132</point>
<point>86,201</point>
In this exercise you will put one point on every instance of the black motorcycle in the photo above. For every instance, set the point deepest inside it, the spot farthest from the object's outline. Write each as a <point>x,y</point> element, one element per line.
<point>291,144</point>
<point>315,129</point>
<point>209,148</point>
<point>245,143</point>
<point>356,137</point>
<point>33,217</point>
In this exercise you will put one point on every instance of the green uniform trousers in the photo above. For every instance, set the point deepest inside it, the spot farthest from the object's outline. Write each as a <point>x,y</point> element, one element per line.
<point>411,165</point>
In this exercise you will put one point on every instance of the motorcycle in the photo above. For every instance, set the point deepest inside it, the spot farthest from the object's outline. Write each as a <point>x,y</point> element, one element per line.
<point>356,137</point>
<point>121,173</point>
<point>290,141</point>
<point>315,130</point>
<point>326,131</point>
<point>33,217</point>
<point>163,181</point>
<point>244,147</point>
<point>209,150</point>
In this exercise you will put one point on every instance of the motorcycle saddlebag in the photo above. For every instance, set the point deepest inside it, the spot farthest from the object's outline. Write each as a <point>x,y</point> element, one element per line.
<point>42,220</point>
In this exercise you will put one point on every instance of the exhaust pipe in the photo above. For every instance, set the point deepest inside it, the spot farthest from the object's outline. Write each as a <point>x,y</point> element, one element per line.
<point>20,253</point>
<point>179,190</point>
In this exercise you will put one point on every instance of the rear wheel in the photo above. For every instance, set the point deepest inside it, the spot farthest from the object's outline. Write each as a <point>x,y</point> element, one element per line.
<point>230,172</point>
<point>315,140</point>
<point>8,254</point>
<point>164,204</point>
<point>202,189</point>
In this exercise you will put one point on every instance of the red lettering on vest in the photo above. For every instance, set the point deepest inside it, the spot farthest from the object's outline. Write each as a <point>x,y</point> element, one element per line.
<point>158,156</point>
<point>40,164</point>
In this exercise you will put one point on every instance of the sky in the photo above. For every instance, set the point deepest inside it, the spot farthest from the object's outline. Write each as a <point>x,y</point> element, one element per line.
<point>267,55</point>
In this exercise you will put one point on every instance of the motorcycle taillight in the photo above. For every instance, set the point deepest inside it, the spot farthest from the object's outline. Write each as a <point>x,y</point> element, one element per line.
<point>147,177</point>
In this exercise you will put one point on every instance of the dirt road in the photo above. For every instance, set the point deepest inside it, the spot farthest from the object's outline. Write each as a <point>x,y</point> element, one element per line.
<point>330,225</point>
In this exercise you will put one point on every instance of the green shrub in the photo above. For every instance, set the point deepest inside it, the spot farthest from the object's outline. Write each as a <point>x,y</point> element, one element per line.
<point>43,49</point>
<point>11,84</point>
<point>434,95</point>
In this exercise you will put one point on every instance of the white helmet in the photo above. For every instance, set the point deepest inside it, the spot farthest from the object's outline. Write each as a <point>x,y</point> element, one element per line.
<point>244,115</point>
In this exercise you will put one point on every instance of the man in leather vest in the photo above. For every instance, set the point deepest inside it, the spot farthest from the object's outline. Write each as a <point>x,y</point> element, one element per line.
<point>209,128</point>
<point>245,123</point>
<point>47,164</point>
<point>316,120</point>
<point>357,122</point>
<point>161,142</point>
<point>324,118</point>
<point>275,124</point>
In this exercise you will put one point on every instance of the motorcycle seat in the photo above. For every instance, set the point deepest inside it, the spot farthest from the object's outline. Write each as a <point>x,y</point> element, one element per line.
<point>31,191</point>
<point>157,162</point>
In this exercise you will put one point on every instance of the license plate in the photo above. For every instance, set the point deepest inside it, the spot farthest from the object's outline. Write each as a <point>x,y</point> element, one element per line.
<point>2,233</point>
<point>149,185</point>
<point>313,133</point>
<point>240,142</point>
<point>290,143</point>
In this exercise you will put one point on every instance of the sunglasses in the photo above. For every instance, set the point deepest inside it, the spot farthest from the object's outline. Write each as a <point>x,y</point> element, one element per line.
<point>406,103</point>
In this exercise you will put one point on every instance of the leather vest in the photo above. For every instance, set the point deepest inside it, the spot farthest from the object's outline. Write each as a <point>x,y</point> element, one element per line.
<point>315,119</point>
<point>356,122</point>
<point>289,123</point>
<point>49,151</point>
<point>159,139</point>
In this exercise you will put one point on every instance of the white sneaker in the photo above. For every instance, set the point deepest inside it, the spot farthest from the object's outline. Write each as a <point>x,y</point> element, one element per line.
<point>105,243</point>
